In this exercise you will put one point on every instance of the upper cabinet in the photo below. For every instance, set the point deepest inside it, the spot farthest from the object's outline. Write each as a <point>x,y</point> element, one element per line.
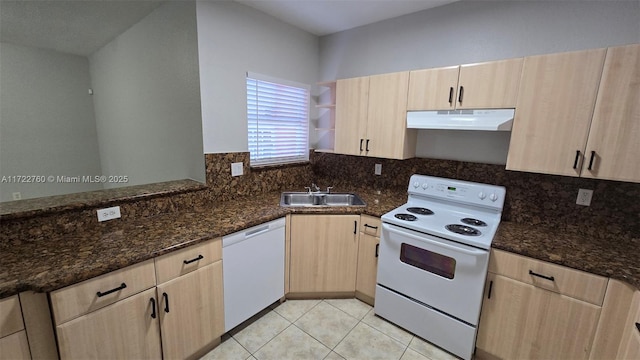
<point>490,85</point>
<point>371,117</point>
<point>556,101</point>
<point>613,147</point>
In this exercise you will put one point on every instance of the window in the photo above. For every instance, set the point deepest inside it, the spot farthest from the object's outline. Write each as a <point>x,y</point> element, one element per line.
<point>278,119</point>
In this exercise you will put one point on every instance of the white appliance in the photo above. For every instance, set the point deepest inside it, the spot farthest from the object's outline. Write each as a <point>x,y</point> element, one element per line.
<point>253,271</point>
<point>487,120</point>
<point>433,259</point>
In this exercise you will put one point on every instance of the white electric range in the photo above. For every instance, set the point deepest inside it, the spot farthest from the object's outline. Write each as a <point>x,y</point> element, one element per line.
<point>433,259</point>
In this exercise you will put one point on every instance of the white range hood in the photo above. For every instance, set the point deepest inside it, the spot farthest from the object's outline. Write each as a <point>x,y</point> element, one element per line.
<point>486,120</point>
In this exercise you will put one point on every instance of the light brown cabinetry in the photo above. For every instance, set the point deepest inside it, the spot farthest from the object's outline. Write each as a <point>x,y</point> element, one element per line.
<point>324,250</point>
<point>123,314</point>
<point>368,258</point>
<point>553,130</point>
<point>371,117</point>
<point>13,338</point>
<point>618,336</point>
<point>615,129</point>
<point>490,85</point>
<point>530,312</point>
<point>126,329</point>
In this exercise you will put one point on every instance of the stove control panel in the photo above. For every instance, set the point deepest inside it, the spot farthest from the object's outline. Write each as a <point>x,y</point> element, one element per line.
<point>462,191</point>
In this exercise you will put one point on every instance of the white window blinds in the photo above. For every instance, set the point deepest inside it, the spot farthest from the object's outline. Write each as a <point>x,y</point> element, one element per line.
<point>278,120</point>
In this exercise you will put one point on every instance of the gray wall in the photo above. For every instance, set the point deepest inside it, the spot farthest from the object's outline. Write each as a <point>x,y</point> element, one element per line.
<point>476,31</point>
<point>234,39</point>
<point>147,99</point>
<point>38,136</point>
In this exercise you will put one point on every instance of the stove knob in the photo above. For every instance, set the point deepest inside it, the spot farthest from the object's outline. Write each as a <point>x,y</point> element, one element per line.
<point>416,184</point>
<point>482,195</point>
<point>493,197</point>
<point>425,186</point>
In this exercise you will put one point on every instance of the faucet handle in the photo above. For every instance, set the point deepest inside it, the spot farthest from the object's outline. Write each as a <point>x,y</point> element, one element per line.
<point>329,189</point>
<point>308,189</point>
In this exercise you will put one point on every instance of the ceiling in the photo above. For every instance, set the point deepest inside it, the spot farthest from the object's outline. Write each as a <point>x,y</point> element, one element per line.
<point>82,27</point>
<point>323,17</point>
<point>74,27</point>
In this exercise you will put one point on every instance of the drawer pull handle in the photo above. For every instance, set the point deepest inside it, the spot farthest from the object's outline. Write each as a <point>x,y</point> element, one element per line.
<point>200,257</point>
<point>377,249</point>
<point>575,162</point>
<point>451,95</point>
<point>355,227</point>
<point>371,227</point>
<point>101,294</point>
<point>153,308</point>
<point>542,276</point>
<point>166,302</point>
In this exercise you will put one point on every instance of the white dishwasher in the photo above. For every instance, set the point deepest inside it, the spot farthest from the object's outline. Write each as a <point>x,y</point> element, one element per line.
<point>253,268</point>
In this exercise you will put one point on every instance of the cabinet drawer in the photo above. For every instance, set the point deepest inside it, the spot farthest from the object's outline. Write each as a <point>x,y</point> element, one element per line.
<point>10,316</point>
<point>574,283</point>
<point>180,262</point>
<point>370,225</point>
<point>90,295</point>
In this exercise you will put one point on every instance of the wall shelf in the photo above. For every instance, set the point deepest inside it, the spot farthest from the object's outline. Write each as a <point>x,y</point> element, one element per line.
<point>325,128</point>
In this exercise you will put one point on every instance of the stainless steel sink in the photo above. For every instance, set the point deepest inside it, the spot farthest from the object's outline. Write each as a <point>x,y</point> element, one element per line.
<point>299,199</point>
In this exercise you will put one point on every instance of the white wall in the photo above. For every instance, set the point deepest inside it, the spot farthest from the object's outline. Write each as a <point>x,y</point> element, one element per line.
<point>147,99</point>
<point>234,39</point>
<point>47,125</point>
<point>476,31</point>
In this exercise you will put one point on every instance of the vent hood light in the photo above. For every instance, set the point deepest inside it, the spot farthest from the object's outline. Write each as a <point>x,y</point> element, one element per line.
<point>487,120</point>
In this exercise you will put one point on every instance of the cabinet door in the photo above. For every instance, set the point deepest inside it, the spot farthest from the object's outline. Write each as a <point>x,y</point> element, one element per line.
<point>387,135</point>
<point>490,85</point>
<point>555,103</point>
<point>433,89</point>
<point>191,312</point>
<point>324,250</point>
<point>615,128</point>
<point>15,346</point>
<point>630,342</point>
<point>352,96</point>
<point>520,321</point>
<point>367,265</point>
<point>123,330</point>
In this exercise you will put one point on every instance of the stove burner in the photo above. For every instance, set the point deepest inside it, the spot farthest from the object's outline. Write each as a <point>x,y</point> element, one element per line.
<point>474,222</point>
<point>463,230</point>
<point>420,211</point>
<point>406,217</point>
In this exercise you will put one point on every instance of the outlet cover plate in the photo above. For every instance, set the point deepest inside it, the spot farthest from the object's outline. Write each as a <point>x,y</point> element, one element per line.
<point>108,213</point>
<point>584,197</point>
<point>378,169</point>
<point>236,169</point>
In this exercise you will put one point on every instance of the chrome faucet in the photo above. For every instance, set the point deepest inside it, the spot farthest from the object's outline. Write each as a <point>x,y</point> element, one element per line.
<point>315,187</point>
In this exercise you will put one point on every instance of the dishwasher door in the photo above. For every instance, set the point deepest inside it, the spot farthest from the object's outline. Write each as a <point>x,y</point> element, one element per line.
<point>253,268</point>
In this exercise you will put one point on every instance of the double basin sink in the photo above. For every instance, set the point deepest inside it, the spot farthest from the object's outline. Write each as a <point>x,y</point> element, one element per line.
<point>315,199</point>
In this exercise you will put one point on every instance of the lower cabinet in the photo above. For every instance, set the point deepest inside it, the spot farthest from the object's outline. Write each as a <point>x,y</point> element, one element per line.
<point>124,315</point>
<point>368,258</point>
<point>324,252</point>
<point>537,310</point>
<point>13,338</point>
<point>127,329</point>
<point>520,321</point>
<point>191,311</point>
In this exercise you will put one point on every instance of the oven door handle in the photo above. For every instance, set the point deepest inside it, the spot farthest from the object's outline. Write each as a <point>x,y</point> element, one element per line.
<point>436,243</point>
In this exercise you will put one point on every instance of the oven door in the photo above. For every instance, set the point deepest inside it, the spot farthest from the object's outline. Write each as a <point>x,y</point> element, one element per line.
<point>442,274</point>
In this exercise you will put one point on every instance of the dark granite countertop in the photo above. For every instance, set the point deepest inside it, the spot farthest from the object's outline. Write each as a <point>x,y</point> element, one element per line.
<point>45,266</point>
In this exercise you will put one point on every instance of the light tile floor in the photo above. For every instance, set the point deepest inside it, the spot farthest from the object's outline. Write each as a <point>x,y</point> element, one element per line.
<point>322,329</point>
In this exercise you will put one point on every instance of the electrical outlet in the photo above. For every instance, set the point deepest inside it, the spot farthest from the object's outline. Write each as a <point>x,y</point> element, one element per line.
<point>378,169</point>
<point>108,213</point>
<point>236,169</point>
<point>17,195</point>
<point>584,197</point>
